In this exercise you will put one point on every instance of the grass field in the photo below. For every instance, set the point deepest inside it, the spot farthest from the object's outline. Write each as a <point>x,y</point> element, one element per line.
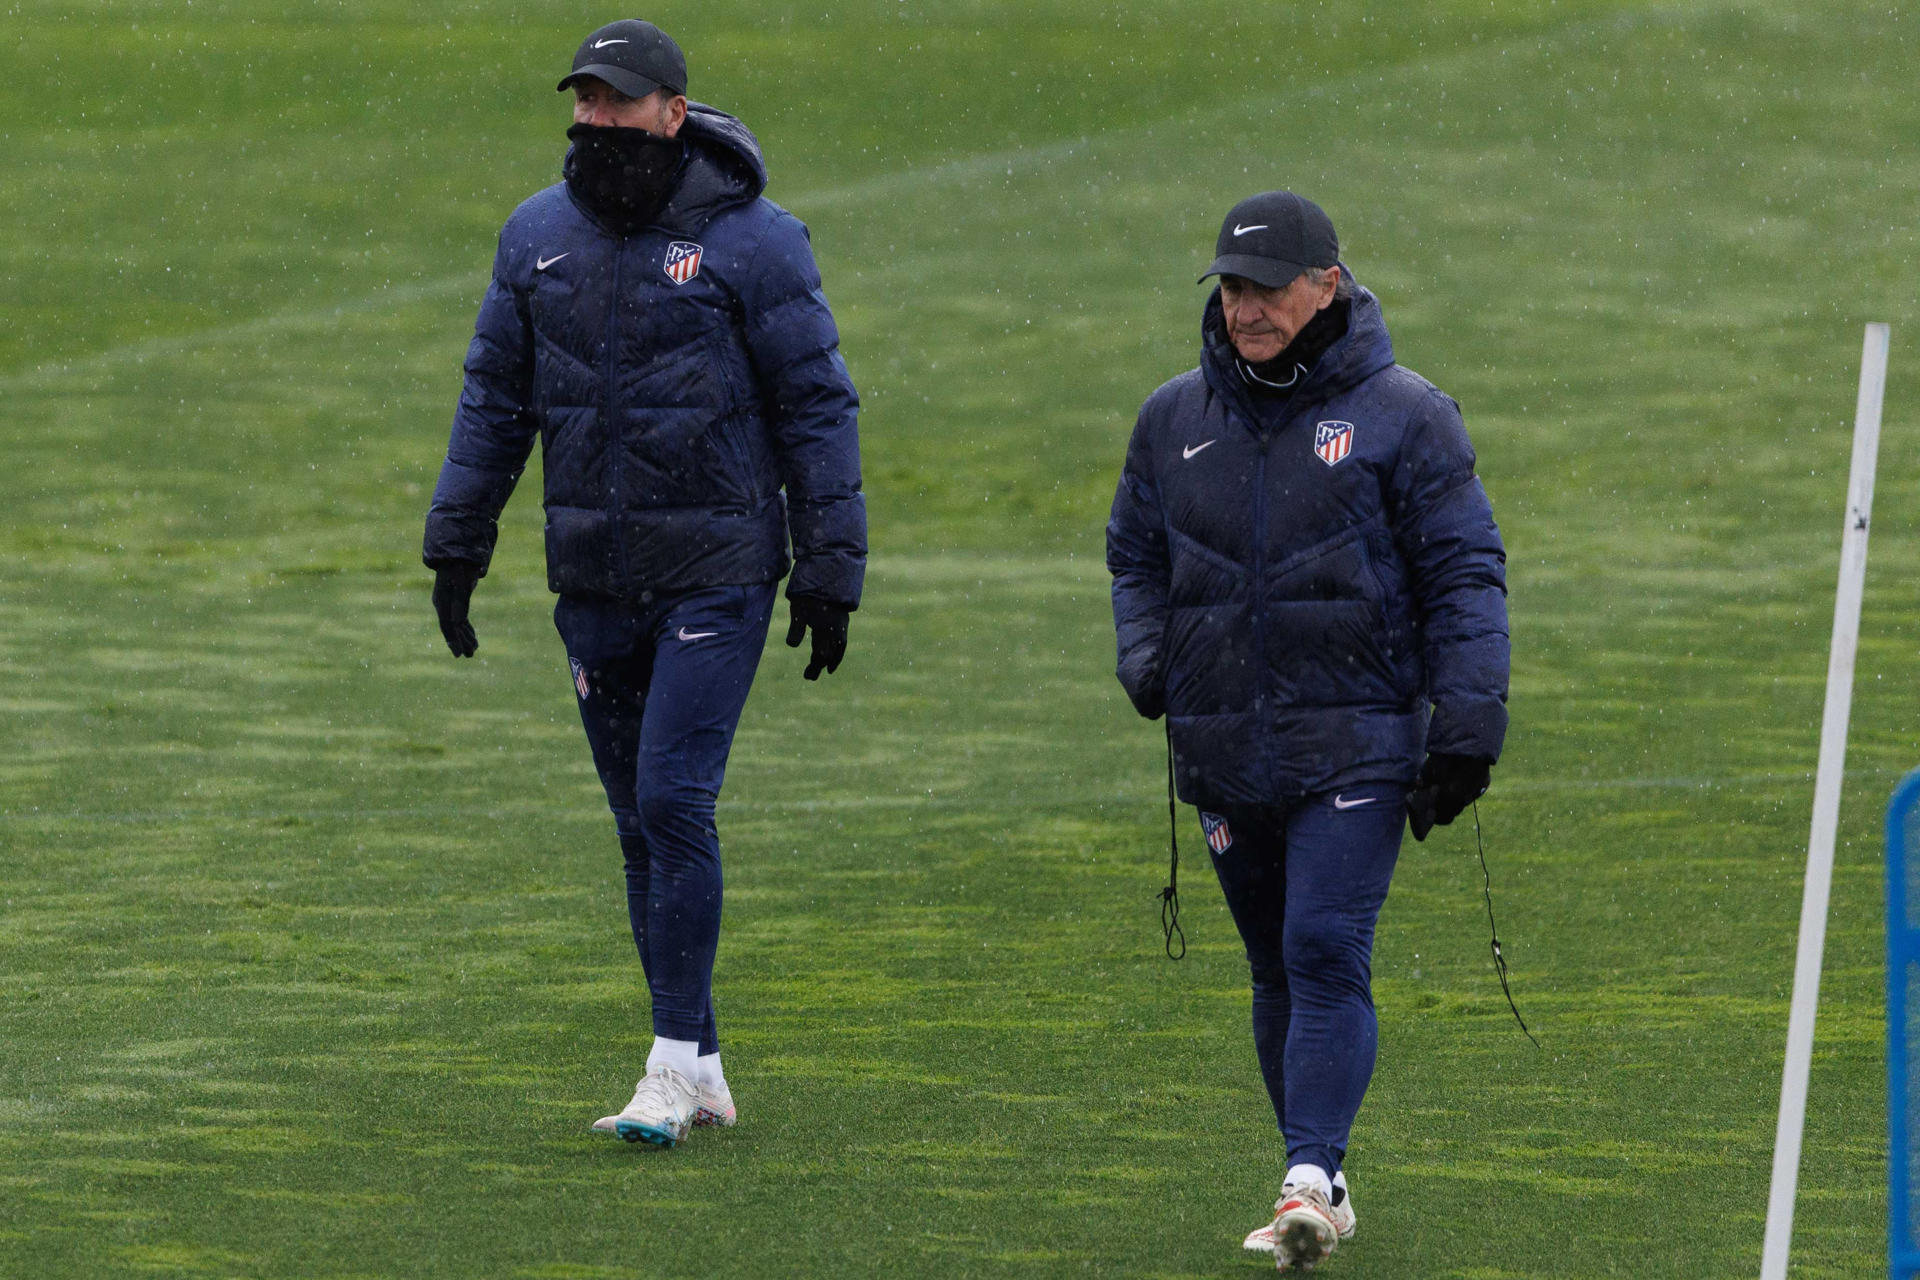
<point>313,960</point>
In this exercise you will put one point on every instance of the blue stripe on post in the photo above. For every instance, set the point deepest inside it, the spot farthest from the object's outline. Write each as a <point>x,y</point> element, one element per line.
<point>1903,952</point>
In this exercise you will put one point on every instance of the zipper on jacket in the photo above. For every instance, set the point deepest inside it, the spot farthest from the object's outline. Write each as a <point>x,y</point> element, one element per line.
<point>610,422</point>
<point>1264,696</point>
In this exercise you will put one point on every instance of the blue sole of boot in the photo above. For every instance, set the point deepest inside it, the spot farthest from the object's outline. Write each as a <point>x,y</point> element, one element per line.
<point>633,1132</point>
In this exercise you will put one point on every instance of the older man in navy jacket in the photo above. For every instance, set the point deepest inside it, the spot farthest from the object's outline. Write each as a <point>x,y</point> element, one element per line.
<point>659,325</point>
<point>1308,583</point>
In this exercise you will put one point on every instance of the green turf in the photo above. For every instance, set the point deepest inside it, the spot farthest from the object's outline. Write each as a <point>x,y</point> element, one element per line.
<point>312,956</point>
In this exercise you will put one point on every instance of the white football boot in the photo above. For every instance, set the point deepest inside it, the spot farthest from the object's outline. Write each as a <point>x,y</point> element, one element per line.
<point>714,1110</point>
<point>715,1106</point>
<point>1303,1232</point>
<point>1260,1239</point>
<point>663,1109</point>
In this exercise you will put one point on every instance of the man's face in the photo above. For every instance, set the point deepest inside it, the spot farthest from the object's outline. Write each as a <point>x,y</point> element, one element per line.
<point>1262,321</point>
<point>598,103</point>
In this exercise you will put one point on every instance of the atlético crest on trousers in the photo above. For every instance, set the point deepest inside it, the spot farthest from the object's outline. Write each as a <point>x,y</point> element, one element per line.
<point>1219,838</point>
<point>1332,441</point>
<point>683,261</point>
<point>579,677</point>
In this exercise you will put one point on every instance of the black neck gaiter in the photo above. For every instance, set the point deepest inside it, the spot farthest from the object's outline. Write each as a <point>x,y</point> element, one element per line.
<point>623,176</point>
<point>1280,376</point>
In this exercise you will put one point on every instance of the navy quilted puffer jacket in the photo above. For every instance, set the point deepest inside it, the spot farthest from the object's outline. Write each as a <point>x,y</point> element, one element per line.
<point>1300,587</point>
<point>678,378</point>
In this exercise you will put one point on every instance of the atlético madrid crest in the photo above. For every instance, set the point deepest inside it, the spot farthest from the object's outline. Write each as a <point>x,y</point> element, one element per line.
<point>579,677</point>
<point>683,261</point>
<point>1219,838</point>
<point>1332,441</point>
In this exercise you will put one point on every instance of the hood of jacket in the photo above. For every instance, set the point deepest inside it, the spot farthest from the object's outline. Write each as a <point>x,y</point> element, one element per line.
<point>723,168</point>
<point>1357,355</point>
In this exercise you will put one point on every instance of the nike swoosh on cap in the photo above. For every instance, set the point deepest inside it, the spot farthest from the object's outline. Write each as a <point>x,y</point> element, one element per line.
<point>1341,802</point>
<point>1240,230</point>
<point>601,44</point>
<point>544,263</point>
<point>696,635</point>
<point>1188,453</point>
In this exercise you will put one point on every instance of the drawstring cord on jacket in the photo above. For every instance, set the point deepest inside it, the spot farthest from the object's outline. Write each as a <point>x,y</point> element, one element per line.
<point>1499,959</point>
<point>1170,896</point>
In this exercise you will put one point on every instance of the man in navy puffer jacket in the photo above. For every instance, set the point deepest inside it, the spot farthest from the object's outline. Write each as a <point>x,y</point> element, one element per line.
<point>660,326</point>
<point>1308,583</point>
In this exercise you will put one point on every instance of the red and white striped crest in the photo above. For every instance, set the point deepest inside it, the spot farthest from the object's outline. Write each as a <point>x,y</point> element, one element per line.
<point>683,261</point>
<point>580,678</point>
<point>1219,838</point>
<point>1332,441</point>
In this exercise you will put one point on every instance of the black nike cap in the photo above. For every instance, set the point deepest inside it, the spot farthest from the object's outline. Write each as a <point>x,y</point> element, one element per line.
<point>1272,237</point>
<point>633,56</point>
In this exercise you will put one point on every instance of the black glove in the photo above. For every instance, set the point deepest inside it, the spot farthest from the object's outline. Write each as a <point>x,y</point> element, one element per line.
<point>452,589</point>
<point>829,623</point>
<point>1448,784</point>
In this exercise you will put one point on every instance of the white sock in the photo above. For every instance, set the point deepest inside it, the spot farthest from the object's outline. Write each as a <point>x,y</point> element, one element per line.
<point>1302,1176</point>
<point>682,1055</point>
<point>710,1076</point>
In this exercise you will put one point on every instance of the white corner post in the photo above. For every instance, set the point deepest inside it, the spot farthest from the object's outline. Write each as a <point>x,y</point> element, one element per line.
<point>1826,807</point>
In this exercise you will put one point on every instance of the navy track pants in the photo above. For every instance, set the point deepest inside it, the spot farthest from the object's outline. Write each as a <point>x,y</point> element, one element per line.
<point>661,686</point>
<point>1305,882</point>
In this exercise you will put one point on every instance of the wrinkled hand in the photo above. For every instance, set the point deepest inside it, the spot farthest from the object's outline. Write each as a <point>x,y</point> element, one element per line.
<point>1448,784</point>
<point>452,590</point>
<point>828,623</point>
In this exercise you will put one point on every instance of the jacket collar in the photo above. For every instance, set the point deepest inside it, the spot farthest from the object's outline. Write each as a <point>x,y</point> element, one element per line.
<point>1358,354</point>
<point>723,168</point>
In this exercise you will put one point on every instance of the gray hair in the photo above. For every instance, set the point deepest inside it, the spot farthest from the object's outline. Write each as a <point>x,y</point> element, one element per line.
<point>1343,283</point>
